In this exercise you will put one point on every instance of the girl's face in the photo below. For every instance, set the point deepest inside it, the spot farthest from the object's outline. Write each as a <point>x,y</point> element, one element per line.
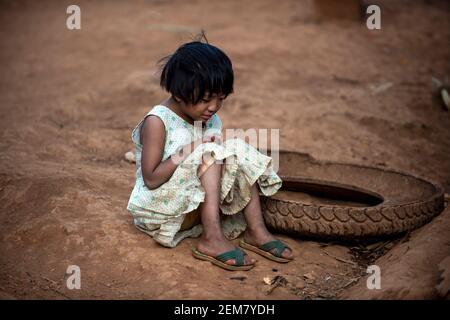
<point>205,109</point>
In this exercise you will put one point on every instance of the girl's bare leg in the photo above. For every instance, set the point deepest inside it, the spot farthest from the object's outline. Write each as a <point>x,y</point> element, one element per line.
<point>212,241</point>
<point>256,232</point>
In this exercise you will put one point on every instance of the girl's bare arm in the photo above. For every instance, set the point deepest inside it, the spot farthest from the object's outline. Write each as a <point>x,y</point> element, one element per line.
<point>154,171</point>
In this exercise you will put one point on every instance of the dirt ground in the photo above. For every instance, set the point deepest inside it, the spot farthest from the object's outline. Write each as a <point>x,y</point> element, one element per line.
<point>336,90</point>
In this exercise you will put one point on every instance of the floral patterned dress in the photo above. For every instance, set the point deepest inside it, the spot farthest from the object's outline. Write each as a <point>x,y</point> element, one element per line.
<point>160,212</point>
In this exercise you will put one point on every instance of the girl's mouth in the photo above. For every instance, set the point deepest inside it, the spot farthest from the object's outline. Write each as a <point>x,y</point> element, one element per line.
<point>206,116</point>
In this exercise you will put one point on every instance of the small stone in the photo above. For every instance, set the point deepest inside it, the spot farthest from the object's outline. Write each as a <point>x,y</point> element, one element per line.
<point>310,275</point>
<point>268,280</point>
<point>69,228</point>
<point>130,157</point>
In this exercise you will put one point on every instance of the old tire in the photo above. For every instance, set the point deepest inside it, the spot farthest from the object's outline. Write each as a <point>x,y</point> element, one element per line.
<point>389,202</point>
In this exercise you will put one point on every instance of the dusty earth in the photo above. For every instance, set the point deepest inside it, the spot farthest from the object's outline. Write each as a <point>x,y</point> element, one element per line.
<point>336,90</point>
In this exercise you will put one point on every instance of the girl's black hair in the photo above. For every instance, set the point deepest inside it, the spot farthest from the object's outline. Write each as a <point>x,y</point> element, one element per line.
<point>195,71</point>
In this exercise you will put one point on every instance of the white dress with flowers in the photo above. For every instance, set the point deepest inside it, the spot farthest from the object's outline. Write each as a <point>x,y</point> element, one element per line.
<point>160,212</point>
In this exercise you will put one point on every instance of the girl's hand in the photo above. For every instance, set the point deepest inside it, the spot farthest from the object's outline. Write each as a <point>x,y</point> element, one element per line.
<point>183,152</point>
<point>216,138</point>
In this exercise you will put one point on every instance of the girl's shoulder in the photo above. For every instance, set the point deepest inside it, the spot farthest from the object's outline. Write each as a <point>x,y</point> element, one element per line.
<point>157,110</point>
<point>167,116</point>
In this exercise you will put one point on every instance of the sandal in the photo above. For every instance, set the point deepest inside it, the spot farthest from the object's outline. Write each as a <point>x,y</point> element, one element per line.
<point>219,260</point>
<point>264,250</point>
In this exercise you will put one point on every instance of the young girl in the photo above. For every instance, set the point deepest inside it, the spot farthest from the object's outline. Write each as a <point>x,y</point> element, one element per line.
<point>177,188</point>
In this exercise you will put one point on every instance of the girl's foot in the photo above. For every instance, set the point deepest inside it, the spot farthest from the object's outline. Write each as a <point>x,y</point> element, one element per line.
<point>261,236</point>
<point>218,245</point>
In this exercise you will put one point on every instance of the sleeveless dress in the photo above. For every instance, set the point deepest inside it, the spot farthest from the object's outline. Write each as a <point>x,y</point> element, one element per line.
<point>161,212</point>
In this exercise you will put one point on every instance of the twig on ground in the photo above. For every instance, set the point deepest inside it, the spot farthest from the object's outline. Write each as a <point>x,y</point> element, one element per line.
<point>340,259</point>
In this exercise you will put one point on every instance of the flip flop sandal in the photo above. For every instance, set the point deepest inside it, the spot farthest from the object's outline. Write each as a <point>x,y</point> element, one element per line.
<point>264,250</point>
<point>219,260</point>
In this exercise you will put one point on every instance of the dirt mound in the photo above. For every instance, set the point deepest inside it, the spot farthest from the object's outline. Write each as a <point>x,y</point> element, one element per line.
<point>413,269</point>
